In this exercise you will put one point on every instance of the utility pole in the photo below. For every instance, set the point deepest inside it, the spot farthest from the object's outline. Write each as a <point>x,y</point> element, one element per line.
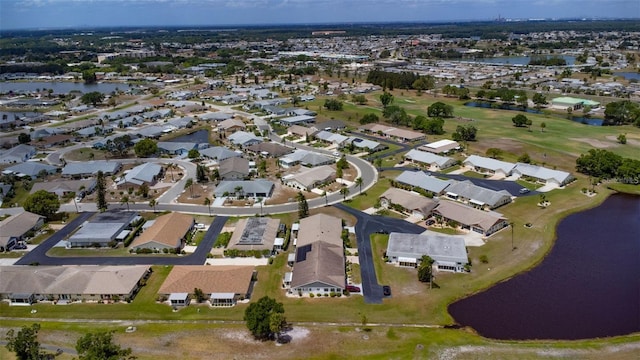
<point>512,225</point>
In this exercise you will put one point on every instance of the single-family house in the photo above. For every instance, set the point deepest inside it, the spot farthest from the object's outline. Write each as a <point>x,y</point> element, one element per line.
<point>301,131</point>
<point>234,168</point>
<point>167,232</point>
<point>469,218</point>
<point>63,188</point>
<point>243,138</point>
<point>297,120</point>
<point>258,188</point>
<point>270,149</point>
<point>542,174</point>
<point>231,125</point>
<point>91,168</point>
<point>254,233</point>
<point>433,161</point>
<point>216,116</point>
<point>102,229</point>
<point>402,135</point>
<point>222,285</point>
<point>332,138</point>
<point>307,179</point>
<point>176,148</point>
<point>17,154</point>
<point>32,169</point>
<point>448,252</point>
<point>305,158</point>
<point>413,180</point>
<point>477,196</point>
<point>408,202</point>
<point>364,144</point>
<point>17,227</point>
<point>147,173</point>
<point>53,140</point>
<point>441,146</point>
<point>319,260</point>
<point>219,153</point>
<point>489,166</point>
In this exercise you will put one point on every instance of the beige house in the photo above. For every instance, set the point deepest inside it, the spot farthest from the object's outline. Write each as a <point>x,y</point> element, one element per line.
<point>24,285</point>
<point>408,202</point>
<point>308,179</point>
<point>16,227</point>
<point>167,232</point>
<point>319,261</point>
<point>223,285</point>
<point>468,218</point>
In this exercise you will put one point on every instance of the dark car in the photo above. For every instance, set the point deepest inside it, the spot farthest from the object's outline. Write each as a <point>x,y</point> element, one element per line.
<point>353,289</point>
<point>386,290</point>
<point>382,231</point>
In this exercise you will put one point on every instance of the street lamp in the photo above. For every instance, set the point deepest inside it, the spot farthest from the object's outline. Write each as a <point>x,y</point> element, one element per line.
<point>512,225</point>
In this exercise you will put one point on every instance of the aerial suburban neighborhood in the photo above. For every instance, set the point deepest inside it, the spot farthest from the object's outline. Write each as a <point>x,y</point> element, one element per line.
<point>315,182</point>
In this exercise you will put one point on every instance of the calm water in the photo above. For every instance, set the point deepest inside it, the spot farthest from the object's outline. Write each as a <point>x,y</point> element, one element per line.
<point>61,87</point>
<point>628,75</point>
<point>518,60</point>
<point>200,136</point>
<point>488,105</point>
<point>588,286</point>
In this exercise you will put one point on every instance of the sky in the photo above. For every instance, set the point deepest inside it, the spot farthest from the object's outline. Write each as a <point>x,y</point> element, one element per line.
<point>44,14</point>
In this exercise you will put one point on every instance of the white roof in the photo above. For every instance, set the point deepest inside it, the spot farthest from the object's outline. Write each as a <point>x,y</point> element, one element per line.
<point>441,143</point>
<point>429,158</point>
<point>543,173</point>
<point>491,164</point>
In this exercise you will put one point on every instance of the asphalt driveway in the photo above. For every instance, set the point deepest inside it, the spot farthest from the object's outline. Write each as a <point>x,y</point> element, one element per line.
<point>365,226</point>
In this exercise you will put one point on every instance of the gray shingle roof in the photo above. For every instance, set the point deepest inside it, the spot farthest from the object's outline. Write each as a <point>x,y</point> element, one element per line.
<point>32,168</point>
<point>423,181</point>
<point>543,173</point>
<point>219,153</point>
<point>145,173</point>
<point>440,247</point>
<point>491,164</point>
<point>91,167</point>
<point>258,186</point>
<point>469,190</point>
<point>429,158</point>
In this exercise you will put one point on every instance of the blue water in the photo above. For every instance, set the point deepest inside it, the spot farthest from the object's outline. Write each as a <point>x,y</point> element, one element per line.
<point>488,105</point>
<point>586,287</point>
<point>628,75</point>
<point>61,87</point>
<point>518,60</point>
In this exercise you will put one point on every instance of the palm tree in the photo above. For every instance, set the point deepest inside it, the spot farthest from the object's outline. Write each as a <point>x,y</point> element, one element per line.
<point>170,167</point>
<point>189,184</point>
<point>125,200</point>
<point>238,190</point>
<point>326,200</point>
<point>207,202</point>
<point>344,191</point>
<point>152,204</point>
<point>358,182</point>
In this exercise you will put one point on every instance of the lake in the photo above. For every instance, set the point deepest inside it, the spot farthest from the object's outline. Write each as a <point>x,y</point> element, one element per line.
<point>588,286</point>
<point>518,60</point>
<point>200,136</point>
<point>628,75</point>
<point>60,87</point>
<point>502,106</point>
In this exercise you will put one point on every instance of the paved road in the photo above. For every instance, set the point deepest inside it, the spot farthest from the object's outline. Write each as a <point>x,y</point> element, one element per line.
<point>38,255</point>
<point>510,186</point>
<point>365,226</point>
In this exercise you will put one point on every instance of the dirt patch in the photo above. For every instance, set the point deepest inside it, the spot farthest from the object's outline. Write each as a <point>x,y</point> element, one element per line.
<point>596,143</point>
<point>504,144</point>
<point>196,194</point>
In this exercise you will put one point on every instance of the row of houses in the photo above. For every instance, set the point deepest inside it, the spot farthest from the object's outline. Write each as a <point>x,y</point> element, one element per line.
<point>445,210</point>
<point>505,169</point>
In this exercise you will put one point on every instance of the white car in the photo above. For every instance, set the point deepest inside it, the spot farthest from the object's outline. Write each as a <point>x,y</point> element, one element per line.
<point>200,226</point>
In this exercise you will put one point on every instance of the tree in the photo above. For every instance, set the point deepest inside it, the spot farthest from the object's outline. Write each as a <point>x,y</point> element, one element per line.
<point>89,77</point>
<point>369,118</point>
<point>101,189</point>
<point>424,269</point>
<point>520,120</point>
<point>24,138</point>
<point>42,203</point>
<point>93,98</point>
<point>622,112</point>
<point>333,105</point>
<point>494,153</point>
<point>303,206</point>
<point>25,343</point>
<point>465,133</point>
<point>199,294</point>
<point>424,83</point>
<point>100,345</point>
<point>207,203</point>
<point>258,317</point>
<point>344,191</point>
<point>125,200</point>
<point>377,162</point>
<point>386,99</point>
<point>201,173</point>
<point>152,204</point>
<point>524,158</point>
<point>277,323</point>
<point>145,148</point>
<point>440,109</point>
<point>189,185</point>
<point>358,183</point>
<point>193,154</point>
<point>543,125</point>
<point>622,139</point>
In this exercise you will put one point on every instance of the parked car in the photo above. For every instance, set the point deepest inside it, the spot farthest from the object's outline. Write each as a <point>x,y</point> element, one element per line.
<point>200,226</point>
<point>353,289</point>
<point>382,231</point>
<point>20,246</point>
<point>524,190</point>
<point>386,290</point>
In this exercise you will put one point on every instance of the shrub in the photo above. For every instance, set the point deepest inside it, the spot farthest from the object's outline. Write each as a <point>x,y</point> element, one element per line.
<point>484,259</point>
<point>310,295</point>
